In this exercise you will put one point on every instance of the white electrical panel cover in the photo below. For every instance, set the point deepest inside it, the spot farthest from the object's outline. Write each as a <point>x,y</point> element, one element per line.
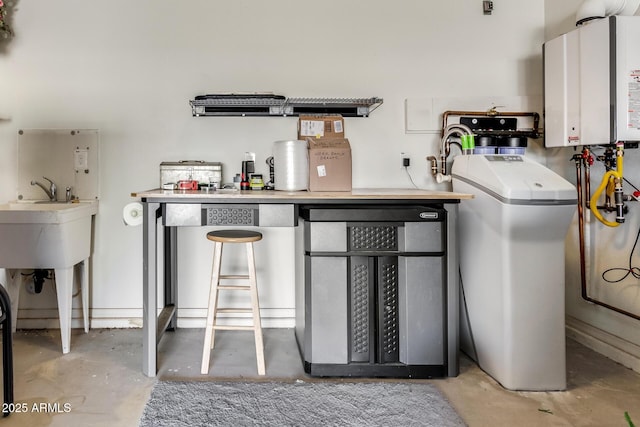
<point>592,84</point>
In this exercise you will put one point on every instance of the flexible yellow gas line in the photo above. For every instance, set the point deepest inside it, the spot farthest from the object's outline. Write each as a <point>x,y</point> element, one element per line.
<point>610,175</point>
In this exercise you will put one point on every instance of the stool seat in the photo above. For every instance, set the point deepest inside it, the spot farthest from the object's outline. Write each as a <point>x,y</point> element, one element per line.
<point>234,236</point>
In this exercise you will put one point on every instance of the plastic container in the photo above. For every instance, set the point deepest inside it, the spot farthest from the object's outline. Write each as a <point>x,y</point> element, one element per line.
<point>484,150</point>
<point>511,150</point>
<point>290,165</point>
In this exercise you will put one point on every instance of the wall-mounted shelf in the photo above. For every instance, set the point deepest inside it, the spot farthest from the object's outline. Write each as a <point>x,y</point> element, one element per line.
<point>278,105</point>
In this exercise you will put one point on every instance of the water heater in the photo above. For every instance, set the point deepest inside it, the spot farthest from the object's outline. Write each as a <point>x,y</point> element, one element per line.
<point>592,84</point>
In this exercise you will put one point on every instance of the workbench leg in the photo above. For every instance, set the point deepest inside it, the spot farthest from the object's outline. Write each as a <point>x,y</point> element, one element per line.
<point>171,272</point>
<point>453,291</point>
<point>151,212</point>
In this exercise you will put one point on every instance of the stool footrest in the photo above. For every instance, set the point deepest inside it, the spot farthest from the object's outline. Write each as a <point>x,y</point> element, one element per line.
<point>234,310</point>
<point>234,288</point>
<point>234,276</point>
<point>234,328</point>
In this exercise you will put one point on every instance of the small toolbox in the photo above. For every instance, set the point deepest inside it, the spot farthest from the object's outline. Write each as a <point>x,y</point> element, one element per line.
<point>205,173</point>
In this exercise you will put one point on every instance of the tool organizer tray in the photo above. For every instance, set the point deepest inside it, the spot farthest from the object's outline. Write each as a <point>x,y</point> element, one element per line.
<point>278,105</point>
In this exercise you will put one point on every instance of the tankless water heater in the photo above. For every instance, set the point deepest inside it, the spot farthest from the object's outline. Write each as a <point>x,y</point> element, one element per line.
<point>592,84</point>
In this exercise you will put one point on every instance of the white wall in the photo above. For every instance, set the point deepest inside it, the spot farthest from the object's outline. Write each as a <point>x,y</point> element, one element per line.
<point>130,68</point>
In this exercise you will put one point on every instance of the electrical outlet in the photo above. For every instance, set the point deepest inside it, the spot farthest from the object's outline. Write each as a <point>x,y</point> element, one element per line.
<point>406,160</point>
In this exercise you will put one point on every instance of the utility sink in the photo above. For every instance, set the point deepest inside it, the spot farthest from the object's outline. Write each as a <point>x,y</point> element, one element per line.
<point>48,235</point>
<point>36,233</point>
<point>45,235</point>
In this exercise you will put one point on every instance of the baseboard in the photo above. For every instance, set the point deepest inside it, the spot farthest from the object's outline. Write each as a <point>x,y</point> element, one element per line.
<point>615,348</point>
<point>132,318</point>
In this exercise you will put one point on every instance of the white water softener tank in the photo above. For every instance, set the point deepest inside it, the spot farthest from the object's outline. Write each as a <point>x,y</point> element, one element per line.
<point>512,268</point>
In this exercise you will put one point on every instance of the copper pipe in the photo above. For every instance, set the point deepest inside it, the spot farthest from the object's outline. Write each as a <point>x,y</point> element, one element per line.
<point>583,275</point>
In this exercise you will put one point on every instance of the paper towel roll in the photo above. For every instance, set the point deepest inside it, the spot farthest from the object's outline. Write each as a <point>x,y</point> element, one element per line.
<point>132,214</point>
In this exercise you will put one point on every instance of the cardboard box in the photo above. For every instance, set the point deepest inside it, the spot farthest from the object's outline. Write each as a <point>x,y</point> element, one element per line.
<point>329,164</point>
<point>320,127</point>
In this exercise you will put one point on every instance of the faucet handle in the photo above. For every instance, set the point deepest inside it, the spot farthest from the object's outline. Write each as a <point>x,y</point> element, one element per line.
<point>53,185</point>
<point>52,189</point>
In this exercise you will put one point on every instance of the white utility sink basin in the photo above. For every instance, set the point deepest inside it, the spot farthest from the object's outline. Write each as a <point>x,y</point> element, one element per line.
<point>45,235</point>
<point>48,235</point>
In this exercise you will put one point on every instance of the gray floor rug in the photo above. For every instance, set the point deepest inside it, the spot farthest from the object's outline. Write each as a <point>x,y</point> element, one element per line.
<point>177,403</point>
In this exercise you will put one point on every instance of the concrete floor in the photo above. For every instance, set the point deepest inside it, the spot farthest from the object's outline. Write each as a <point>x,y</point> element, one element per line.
<point>100,382</point>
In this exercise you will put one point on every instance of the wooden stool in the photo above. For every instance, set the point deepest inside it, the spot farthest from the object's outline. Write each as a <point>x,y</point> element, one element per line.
<point>233,236</point>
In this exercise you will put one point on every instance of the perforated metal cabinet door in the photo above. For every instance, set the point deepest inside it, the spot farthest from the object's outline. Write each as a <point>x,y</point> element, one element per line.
<point>373,315</point>
<point>388,309</point>
<point>375,310</point>
<point>362,339</point>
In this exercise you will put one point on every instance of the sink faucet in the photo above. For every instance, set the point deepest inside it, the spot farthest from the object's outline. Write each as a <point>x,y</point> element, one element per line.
<point>52,191</point>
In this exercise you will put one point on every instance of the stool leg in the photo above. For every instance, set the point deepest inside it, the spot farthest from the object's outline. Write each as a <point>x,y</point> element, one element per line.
<point>257,324</point>
<point>218,247</point>
<point>211,308</point>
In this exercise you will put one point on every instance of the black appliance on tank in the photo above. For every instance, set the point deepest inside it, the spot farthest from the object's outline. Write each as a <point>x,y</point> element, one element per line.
<point>498,132</point>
